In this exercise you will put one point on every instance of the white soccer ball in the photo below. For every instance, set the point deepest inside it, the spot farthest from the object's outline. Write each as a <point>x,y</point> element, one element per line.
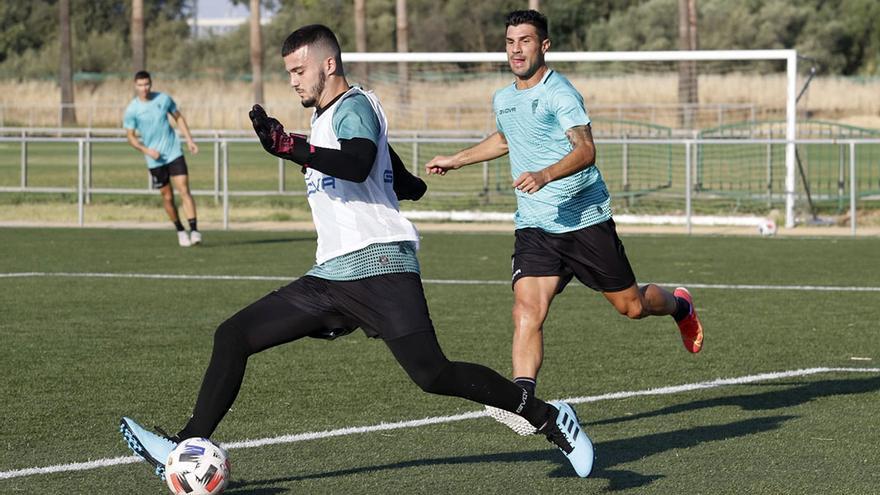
<point>197,466</point>
<point>767,227</point>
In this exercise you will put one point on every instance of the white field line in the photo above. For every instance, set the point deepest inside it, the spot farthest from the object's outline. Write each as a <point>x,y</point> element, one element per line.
<point>171,276</point>
<point>300,437</point>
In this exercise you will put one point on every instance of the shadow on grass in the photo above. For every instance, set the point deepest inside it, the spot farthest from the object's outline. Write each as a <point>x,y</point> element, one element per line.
<point>777,399</point>
<point>254,242</point>
<point>610,454</point>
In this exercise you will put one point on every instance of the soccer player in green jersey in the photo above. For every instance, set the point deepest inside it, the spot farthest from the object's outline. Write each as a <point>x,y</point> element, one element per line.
<point>147,115</point>
<point>564,227</point>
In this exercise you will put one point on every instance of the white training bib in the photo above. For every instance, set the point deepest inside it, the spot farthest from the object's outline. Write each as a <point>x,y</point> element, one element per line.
<point>352,215</point>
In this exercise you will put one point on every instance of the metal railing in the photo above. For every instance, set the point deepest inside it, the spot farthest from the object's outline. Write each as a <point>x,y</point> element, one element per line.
<point>682,166</point>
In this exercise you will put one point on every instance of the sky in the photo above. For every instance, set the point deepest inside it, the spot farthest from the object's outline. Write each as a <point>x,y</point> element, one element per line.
<point>219,9</point>
<point>214,9</point>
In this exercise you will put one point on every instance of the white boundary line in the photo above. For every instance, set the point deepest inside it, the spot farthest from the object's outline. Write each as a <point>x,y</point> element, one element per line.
<point>171,276</point>
<point>300,437</point>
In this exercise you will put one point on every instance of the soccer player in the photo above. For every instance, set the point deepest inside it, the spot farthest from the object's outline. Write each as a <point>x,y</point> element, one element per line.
<point>147,114</point>
<point>563,219</point>
<point>366,273</point>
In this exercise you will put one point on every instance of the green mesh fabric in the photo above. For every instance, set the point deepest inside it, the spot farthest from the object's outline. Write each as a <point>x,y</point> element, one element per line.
<point>375,259</point>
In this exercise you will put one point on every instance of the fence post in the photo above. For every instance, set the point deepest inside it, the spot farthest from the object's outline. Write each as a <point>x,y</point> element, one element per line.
<point>216,167</point>
<point>24,159</point>
<point>415,155</point>
<point>769,175</point>
<point>281,175</point>
<point>88,160</point>
<point>486,179</point>
<point>225,147</point>
<point>852,187</point>
<point>79,183</point>
<point>841,178</point>
<point>625,160</point>
<point>688,186</point>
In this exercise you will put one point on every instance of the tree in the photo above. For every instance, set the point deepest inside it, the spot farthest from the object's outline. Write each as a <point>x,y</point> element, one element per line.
<point>402,46</point>
<point>687,69</point>
<point>360,31</point>
<point>256,52</point>
<point>65,72</point>
<point>138,48</point>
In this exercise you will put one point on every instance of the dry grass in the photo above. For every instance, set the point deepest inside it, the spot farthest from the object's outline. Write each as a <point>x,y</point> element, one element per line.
<point>219,104</point>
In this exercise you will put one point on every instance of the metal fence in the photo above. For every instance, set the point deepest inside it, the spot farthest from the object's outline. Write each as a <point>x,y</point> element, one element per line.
<point>652,180</point>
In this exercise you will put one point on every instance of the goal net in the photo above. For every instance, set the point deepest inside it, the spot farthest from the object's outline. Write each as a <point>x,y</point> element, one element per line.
<point>647,108</point>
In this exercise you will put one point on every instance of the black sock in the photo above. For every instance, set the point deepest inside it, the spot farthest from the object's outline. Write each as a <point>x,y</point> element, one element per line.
<point>178,225</point>
<point>527,383</point>
<point>682,309</point>
<point>192,225</point>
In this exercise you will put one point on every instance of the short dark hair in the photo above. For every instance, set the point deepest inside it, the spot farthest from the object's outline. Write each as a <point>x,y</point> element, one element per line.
<point>142,74</point>
<point>532,17</point>
<point>317,35</point>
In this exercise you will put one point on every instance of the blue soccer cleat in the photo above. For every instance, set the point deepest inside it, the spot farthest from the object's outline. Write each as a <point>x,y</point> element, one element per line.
<point>153,447</point>
<point>566,433</point>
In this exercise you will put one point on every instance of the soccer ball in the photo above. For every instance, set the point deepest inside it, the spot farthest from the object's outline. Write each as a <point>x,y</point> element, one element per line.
<point>197,466</point>
<point>767,227</point>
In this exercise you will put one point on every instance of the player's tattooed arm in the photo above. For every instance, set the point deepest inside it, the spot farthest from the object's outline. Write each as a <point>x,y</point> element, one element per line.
<point>581,136</point>
<point>581,156</point>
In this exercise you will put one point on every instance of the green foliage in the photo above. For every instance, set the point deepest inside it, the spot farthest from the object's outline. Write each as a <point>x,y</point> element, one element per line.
<point>842,36</point>
<point>23,26</point>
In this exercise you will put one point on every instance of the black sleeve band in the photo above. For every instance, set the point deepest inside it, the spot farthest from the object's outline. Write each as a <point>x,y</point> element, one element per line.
<point>301,152</point>
<point>353,161</point>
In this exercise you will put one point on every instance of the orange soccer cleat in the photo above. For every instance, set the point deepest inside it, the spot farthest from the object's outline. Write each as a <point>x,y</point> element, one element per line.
<point>690,327</point>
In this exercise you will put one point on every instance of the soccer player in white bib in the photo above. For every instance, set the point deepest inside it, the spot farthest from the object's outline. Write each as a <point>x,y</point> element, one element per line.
<point>563,219</point>
<point>147,115</point>
<point>366,273</point>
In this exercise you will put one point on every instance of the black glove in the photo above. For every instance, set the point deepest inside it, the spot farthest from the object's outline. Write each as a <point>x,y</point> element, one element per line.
<point>290,146</point>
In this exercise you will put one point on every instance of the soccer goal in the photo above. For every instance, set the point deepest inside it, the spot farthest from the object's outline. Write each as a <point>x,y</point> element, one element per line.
<point>648,111</point>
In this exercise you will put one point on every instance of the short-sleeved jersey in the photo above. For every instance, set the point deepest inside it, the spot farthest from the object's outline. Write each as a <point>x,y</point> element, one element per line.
<point>534,122</point>
<point>355,118</point>
<point>150,119</point>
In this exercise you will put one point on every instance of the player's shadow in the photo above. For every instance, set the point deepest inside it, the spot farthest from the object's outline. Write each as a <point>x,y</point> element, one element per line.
<point>253,242</point>
<point>609,454</point>
<point>776,399</point>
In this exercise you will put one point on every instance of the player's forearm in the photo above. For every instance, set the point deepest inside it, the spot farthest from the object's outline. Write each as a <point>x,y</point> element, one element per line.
<point>184,129</point>
<point>576,160</point>
<point>490,148</point>
<point>353,161</point>
<point>134,143</point>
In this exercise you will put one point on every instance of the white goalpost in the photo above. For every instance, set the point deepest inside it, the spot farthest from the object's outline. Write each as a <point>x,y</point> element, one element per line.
<point>788,57</point>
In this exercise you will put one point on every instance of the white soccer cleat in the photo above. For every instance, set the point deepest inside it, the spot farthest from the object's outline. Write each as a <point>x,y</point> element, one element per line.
<point>567,434</point>
<point>195,237</point>
<point>183,239</point>
<point>513,421</point>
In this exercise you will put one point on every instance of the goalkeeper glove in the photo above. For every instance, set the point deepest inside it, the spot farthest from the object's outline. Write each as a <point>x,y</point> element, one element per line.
<point>289,146</point>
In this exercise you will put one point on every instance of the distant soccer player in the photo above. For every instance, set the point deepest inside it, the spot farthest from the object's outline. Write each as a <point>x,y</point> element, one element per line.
<point>147,114</point>
<point>366,273</point>
<point>563,219</point>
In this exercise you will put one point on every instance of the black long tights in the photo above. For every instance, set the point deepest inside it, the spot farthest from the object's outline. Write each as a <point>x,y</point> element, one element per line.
<point>272,321</point>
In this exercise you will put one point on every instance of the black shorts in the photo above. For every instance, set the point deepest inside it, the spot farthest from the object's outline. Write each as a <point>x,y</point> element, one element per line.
<point>162,175</point>
<point>594,255</point>
<point>384,306</point>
